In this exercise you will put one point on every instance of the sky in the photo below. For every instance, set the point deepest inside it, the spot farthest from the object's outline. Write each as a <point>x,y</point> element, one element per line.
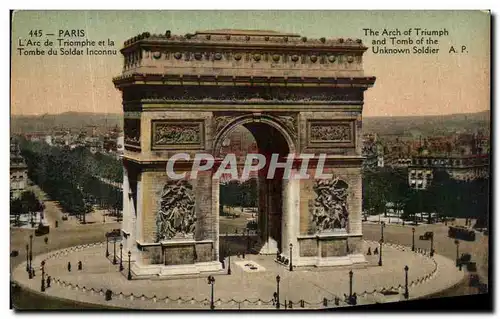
<point>406,85</point>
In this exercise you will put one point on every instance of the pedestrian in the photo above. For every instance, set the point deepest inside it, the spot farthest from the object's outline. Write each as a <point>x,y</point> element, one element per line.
<point>375,251</point>
<point>80,265</point>
<point>369,251</point>
<point>49,279</point>
<point>69,266</point>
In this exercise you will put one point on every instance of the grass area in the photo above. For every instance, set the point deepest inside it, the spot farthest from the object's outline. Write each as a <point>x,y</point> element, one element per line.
<point>23,299</point>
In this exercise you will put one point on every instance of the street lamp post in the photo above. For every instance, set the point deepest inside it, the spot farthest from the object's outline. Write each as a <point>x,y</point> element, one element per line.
<point>31,253</point>
<point>406,294</point>
<point>107,248</point>
<point>382,225</point>
<point>413,239</point>
<point>457,243</point>
<point>432,245</point>
<point>380,254</point>
<point>278,291</point>
<point>121,256</point>
<point>211,281</point>
<point>350,284</point>
<point>129,277</point>
<point>114,251</point>
<point>291,267</point>
<point>43,275</point>
<point>229,261</point>
<point>248,240</point>
<point>27,258</point>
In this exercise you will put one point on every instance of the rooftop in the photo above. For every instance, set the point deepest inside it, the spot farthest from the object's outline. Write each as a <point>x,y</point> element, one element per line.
<point>269,33</point>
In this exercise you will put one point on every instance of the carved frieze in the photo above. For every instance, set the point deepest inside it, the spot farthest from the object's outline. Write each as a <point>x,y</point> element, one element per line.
<point>328,133</point>
<point>132,131</point>
<point>176,216</point>
<point>329,210</point>
<point>275,95</point>
<point>177,134</point>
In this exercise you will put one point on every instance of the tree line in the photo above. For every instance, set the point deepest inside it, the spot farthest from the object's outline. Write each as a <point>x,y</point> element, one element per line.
<point>69,177</point>
<point>445,196</point>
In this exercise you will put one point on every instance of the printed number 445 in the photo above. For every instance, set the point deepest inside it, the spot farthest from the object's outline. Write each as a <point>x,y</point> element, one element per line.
<point>36,33</point>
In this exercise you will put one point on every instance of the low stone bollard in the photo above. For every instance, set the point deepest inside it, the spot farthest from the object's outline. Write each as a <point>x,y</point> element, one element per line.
<point>109,294</point>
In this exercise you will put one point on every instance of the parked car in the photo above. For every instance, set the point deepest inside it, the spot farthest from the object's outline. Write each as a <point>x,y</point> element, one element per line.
<point>42,230</point>
<point>461,232</point>
<point>428,235</point>
<point>465,258</point>
<point>14,253</point>
<point>114,233</point>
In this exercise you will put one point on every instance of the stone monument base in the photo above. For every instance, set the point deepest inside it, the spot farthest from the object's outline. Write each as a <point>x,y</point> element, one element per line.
<point>174,271</point>
<point>348,260</point>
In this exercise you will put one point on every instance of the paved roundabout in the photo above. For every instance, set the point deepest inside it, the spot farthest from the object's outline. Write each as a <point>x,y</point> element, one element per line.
<point>251,284</point>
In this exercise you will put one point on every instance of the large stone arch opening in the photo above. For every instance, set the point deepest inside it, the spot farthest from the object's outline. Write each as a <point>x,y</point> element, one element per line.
<point>184,94</point>
<point>270,138</point>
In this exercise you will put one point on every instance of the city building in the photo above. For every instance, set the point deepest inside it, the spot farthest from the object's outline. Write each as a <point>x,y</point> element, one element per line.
<point>18,171</point>
<point>462,167</point>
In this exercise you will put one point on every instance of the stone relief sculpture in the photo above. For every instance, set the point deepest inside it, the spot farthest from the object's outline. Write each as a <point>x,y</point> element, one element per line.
<point>220,122</point>
<point>171,134</point>
<point>176,217</point>
<point>333,132</point>
<point>290,122</point>
<point>330,207</point>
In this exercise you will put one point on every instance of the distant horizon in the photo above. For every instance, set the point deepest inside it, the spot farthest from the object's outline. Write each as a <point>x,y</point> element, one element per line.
<point>365,116</point>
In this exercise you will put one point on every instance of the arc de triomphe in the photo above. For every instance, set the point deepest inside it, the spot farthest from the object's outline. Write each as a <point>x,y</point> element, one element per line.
<point>294,94</point>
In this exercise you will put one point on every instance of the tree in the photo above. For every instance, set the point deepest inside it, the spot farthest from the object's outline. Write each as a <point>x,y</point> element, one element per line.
<point>374,192</point>
<point>413,205</point>
<point>16,209</point>
<point>30,204</point>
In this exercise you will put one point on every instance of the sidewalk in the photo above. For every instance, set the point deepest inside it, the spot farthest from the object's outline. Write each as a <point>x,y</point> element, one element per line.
<point>309,284</point>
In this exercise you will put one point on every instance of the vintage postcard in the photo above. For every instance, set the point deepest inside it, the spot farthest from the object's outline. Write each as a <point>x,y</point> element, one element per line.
<point>250,160</point>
